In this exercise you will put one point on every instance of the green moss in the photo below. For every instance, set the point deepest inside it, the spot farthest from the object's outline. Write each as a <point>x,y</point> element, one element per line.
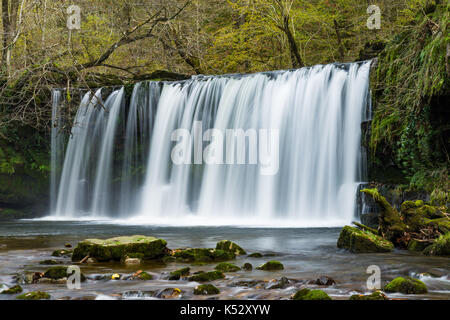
<point>255,255</point>
<point>206,289</point>
<point>229,246</point>
<point>442,225</point>
<point>49,262</point>
<point>13,290</point>
<point>177,274</point>
<point>118,248</point>
<point>271,266</point>
<point>361,241</point>
<point>59,272</point>
<point>207,276</point>
<point>441,246</point>
<point>227,267</point>
<point>35,295</point>
<point>308,294</point>
<point>144,276</point>
<point>377,295</point>
<point>203,255</point>
<point>414,245</point>
<point>406,285</point>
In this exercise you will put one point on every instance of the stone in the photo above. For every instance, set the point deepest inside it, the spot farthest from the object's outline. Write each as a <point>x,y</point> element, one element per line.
<point>271,266</point>
<point>207,276</point>
<point>324,281</point>
<point>13,290</point>
<point>227,267</point>
<point>177,274</point>
<point>62,253</point>
<point>132,261</point>
<point>50,262</point>
<point>59,272</point>
<point>247,267</point>
<point>308,294</point>
<point>34,295</point>
<point>117,249</point>
<point>202,255</point>
<point>377,295</point>
<point>255,255</point>
<point>206,289</point>
<point>406,285</point>
<point>361,241</point>
<point>229,246</point>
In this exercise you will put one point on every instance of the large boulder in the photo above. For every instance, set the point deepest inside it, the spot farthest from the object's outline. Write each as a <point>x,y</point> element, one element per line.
<point>229,246</point>
<point>360,241</point>
<point>406,285</point>
<point>119,248</point>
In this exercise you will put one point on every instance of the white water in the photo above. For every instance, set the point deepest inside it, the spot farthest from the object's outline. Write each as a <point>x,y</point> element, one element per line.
<point>118,166</point>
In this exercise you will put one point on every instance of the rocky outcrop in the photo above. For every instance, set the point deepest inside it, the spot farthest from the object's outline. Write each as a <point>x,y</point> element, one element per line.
<point>120,248</point>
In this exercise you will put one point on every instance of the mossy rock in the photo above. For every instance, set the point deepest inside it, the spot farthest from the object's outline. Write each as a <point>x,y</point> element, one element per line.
<point>361,241</point>
<point>207,276</point>
<point>63,253</point>
<point>50,262</point>
<point>13,290</point>
<point>227,267</point>
<point>271,266</point>
<point>440,247</point>
<point>34,295</point>
<point>377,295</point>
<point>144,276</point>
<point>406,285</point>
<point>206,289</point>
<point>203,255</point>
<point>229,246</point>
<point>177,274</point>
<point>59,272</point>
<point>414,245</point>
<point>247,266</point>
<point>255,255</point>
<point>116,249</point>
<point>308,294</point>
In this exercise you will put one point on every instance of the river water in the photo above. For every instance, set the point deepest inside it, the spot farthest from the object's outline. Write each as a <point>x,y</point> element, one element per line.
<point>307,253</point>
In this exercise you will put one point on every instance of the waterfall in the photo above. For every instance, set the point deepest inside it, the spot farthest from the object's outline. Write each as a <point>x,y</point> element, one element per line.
<point>119,160</point>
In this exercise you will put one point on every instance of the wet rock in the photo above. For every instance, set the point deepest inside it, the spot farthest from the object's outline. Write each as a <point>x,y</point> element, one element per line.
<point>62,253</point>
<point>177,274</point>
<point>406,285</point>
<point>255,255</point>
<point>308,294</point>
<point>377,295</point>
<point>227,267</point>
<point>34,295</point>
<point>441,246</point>
<point>229,246</point>
<point>271,266</point>
<point>13,290</point>
<point>202,255</point>
<point>52,281</point>
<point>132,261</point>
<point>59,272</point>
<point>207,276</point>
<point>142,275</point>
<point>279,284</point>
<point>68,245</point>
<point>50,262</point>
<point>361,241</point>
<point>323,281</point>
<point>28,277</point>
<point>206,289</point>
<point>118,248</point>
<point>168,293</point>
<point>247,267</point>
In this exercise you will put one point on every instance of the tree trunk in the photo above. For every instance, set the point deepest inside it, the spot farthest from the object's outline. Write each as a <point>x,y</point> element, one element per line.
<point>10,10</point>
<point>296,59</point>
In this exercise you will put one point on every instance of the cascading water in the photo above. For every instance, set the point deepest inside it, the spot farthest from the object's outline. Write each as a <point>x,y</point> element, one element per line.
<point>118,163</point>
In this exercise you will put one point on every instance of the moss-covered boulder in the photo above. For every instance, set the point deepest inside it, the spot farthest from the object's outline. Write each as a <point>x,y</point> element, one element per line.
<point>406,285</point>
<point>361,241</point>
<point>391,225</point>
<point>247,266</point>
<point>206,289</point>
<point>229,246</point>
<point>227,267</point>
<point>177,274</point>
<point>117,249</point>
<point>207,276</point>
<point>59,272</point>
<point>440,247</point>
<point>377,295</point>
<point>308,294</point>
<point>271,266</point>
<point>13,290</point>
<point>202,255</point>
<point>143,276</point>
<point>34,295</point>
<point>255,255</point>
